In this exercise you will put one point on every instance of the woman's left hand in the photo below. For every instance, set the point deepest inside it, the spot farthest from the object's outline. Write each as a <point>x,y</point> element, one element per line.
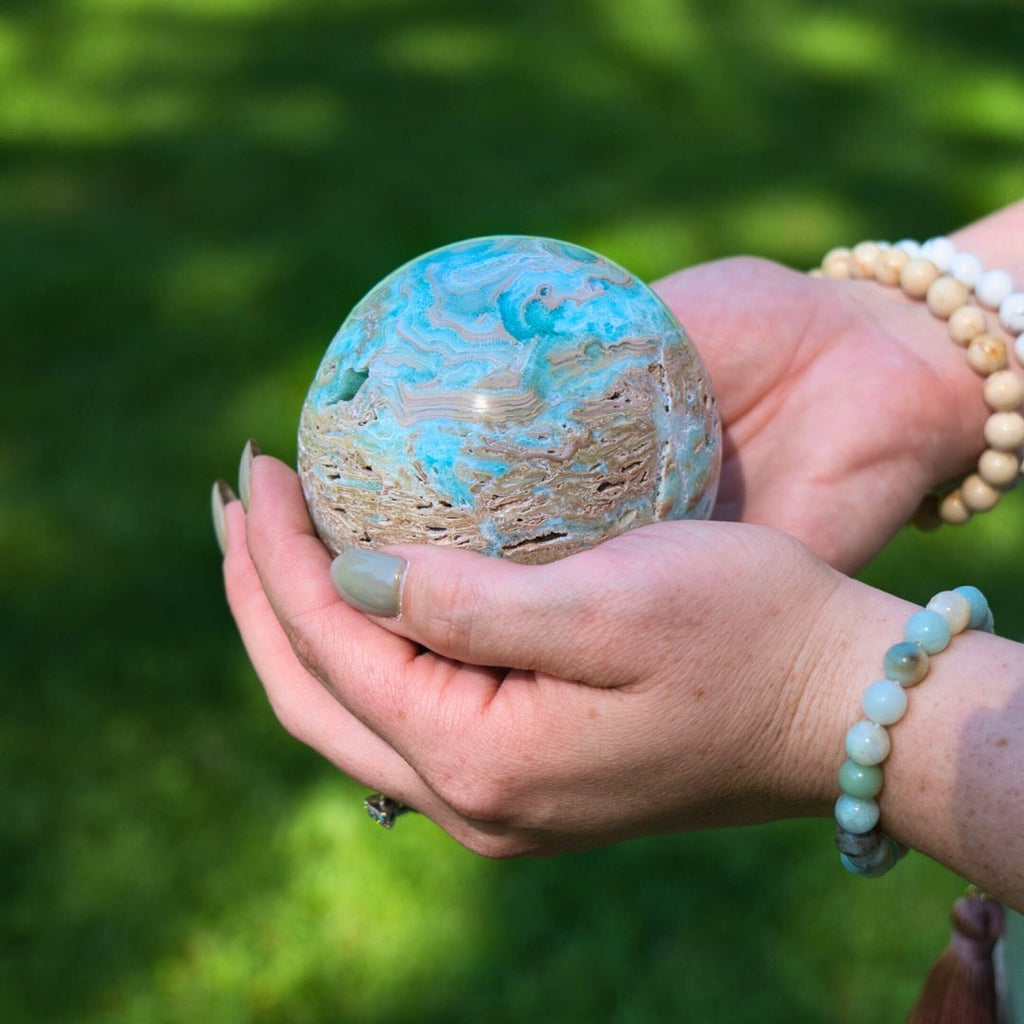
<point>647,685</point>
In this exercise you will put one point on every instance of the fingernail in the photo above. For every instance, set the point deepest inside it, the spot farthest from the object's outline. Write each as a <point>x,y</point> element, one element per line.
<point>249,452</point>
<point>369,580</point>
<point>222,494</point>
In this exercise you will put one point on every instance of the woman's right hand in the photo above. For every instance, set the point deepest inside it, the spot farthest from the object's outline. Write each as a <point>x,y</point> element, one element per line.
<point>842,402</point>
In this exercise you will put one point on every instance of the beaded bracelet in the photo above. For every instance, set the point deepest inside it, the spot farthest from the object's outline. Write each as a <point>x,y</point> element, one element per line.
<point>863,848</point>
<point>956,288</point>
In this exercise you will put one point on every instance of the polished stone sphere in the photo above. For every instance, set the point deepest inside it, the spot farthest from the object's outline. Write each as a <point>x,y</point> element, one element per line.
<point>514,395</point>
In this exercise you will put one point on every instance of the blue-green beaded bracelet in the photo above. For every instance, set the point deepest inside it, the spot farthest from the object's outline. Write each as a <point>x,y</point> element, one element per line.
<point>863,848</point>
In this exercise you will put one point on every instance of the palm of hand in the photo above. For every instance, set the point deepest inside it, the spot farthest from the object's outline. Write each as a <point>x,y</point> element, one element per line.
<point>831,394</point>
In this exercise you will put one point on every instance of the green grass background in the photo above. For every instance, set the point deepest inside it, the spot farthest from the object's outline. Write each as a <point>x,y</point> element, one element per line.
<point>192,195</point>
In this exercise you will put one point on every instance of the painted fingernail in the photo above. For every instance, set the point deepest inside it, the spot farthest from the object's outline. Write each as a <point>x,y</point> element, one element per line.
<point>249,452</point>
<point>222,494</point>
<point>369,580</point>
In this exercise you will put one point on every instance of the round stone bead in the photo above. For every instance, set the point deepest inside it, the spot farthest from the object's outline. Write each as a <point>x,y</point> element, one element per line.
<point>856,815</point>
<point>917,276</point>
<point>977,494</point>
<point>909,246</point>
<point>966,323</point>
<point>906,662</point>
<point>928,629</point>
<point>1011,312</point>
<point>867,743</point>
<point>966,268</point>
<point>940,251</point>
<point>875,864</point>
<point>992,288</point>
<point>953,510</point>
<point>1004,431</point>
<point>860,781</point>
<point>888,265</point>
<point>857,844</point>
<point>986,354</point>
<point>953,607</point>
<point>1003,391</point>
<point>998,469</point>
<point>837,262</point>
<point>1018,348</point>
<point>978,602</point>
<point>885,701</point>
<point>863,258</point>
<point>945,294</point>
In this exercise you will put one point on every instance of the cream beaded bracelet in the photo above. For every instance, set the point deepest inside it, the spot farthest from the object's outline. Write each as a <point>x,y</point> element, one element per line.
<point>863,848</point>
<point>956,288</point>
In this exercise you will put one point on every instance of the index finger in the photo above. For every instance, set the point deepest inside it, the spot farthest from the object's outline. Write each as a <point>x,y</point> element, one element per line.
<point>293,567</point>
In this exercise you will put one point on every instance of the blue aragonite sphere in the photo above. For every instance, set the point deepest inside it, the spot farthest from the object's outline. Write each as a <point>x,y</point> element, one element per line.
<point>518,396</point>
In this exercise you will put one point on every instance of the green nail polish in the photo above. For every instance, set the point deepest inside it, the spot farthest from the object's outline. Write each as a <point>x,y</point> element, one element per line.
<point>370,581</point>
<point>222,494</point>
<point>249,452</point>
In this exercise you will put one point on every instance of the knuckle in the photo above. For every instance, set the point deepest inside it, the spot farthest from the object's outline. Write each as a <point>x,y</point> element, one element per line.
<point>475,795</point>
<point>454,614</point>
<point>307,638</point>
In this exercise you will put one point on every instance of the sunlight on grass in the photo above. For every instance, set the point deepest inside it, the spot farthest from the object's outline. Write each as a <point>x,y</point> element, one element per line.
<point>649,247</point>
<point>787,222</point>
<point>663,31</point>
<point>364,915</point>
<point>444,49</point>
<point>837,44</point>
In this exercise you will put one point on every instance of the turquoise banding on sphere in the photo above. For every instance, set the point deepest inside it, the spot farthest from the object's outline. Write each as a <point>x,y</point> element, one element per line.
<point>515,395</point>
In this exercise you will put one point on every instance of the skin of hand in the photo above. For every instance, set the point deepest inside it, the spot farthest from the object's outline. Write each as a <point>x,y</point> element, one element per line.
<point>743,664</point>
<point>842,402</point>
<point>645,685</point>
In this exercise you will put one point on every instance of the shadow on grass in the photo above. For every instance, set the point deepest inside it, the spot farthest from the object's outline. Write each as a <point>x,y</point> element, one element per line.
<point>194,196</point>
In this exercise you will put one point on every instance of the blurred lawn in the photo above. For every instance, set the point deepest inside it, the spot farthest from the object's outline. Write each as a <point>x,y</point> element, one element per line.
<point>192,195</point>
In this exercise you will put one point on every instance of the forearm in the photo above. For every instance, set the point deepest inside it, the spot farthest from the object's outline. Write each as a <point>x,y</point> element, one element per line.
<point>954,782</point>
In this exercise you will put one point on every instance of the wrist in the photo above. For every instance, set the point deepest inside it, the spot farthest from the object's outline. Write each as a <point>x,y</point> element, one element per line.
<point>979,311</point>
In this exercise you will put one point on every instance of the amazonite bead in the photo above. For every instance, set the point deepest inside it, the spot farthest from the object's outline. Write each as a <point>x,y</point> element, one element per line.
<point>928,629</point>
<point>867,743</point>
<point>978,603</point>
<point>884,702</point>
<point>860,780</point>
<point>856,815</point>
<point>876,863</point>
<point>905,662</point>
<point>953,607</point>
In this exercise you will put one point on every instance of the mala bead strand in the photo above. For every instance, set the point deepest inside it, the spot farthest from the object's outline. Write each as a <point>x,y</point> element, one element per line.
<point>956,288</point>
<point>864,849</point>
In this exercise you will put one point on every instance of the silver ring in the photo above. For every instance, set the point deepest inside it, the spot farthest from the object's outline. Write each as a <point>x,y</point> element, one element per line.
<point>383,810</point>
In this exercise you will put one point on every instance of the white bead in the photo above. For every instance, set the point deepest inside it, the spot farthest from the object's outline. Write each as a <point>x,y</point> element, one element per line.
<point>1003,391</point>
<point>940,251</point>
<point>978,494</point>
<point>867,743</point>
<point>992,287</point>
<point>1004,431</point>
<point>1011,312</point>
<point>966,268</point>
<point>909,246</point>
<point>953,607</point>
<point>999,469</point>
<point>885,701</point>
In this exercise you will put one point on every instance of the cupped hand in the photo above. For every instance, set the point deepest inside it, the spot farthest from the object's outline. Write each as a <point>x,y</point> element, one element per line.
<point>842,402</point>
<point>647,685</point>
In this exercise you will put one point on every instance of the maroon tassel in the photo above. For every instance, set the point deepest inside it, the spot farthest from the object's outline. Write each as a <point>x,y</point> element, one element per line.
<point>961,986</point>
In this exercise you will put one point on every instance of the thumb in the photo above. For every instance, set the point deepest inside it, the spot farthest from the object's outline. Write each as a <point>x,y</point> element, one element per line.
<point>557,618</point>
